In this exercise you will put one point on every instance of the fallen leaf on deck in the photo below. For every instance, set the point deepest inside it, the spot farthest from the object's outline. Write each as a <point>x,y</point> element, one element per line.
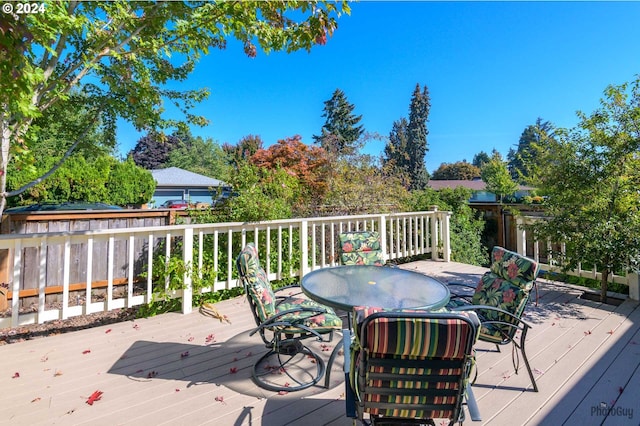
<point>210,338</point>
<point>233,370</point>
<point>586,333</point>
<point>16,375</point>
<point>108,330</point>
<point>57,373</point>
<point>610,332</point>
<point>36,399</point>
<point>136,326</point>
<point>86,351</point>
<point>184,354</point>
<point>96,396</point>
<point>220,399</point>
<point>152,374</point>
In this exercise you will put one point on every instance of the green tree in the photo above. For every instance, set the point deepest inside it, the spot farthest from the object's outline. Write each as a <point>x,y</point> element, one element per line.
<point>396,160</point>
<point>480,159</point>
<point>591,174</point>
<point>340,132</point>
<point>497,177</point>
<point>202,156</point>
<point>523,163</point>
<point>120,55</point>
<point>466,224</point>
<point>458,170</point>
<point>129,184</point>
<point>417,132</point>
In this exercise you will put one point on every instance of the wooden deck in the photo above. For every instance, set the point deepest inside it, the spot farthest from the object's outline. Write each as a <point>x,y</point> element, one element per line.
<point>190,369</point>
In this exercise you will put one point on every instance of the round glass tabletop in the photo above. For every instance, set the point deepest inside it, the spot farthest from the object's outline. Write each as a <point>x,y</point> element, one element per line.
<point>343,287</point>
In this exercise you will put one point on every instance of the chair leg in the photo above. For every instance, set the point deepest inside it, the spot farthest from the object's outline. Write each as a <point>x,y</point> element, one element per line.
<point>301,353</point>
<point>526,360</point>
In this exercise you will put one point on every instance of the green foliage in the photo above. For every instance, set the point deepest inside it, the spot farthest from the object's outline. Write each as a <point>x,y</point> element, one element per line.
<point>102,179</point>
<point>480,159</point>
<point>466,224</point>
<point>120,55</point>
<point>591,175</point>
<point>460,170</point>
<point>523,163</point>
<point>496,175</point>
<point>264,194</point>
<point>129,184</point>
<point>201,156</point>
<point>404,154</point>
<point>340,131</point>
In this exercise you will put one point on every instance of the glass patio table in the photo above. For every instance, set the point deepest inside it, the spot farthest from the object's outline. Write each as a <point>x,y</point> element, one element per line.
<point>343,287</point>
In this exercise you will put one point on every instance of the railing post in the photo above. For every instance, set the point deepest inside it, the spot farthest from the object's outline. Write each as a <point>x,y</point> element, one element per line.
<point>521,237</point>
<point>382,229</point>
<point>187,257</point>
<point>304,247</point>
<point>446,237</point>
<point>633,280</point>
<point>434,232</point>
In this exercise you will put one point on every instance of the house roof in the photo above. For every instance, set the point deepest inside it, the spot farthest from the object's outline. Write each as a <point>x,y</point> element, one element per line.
<point>474,185</point>
<point>177,177</point>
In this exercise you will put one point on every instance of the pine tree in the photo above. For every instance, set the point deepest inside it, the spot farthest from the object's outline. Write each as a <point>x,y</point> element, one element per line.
<point>417,137</point>
<point>396,157</point>
<point>340,131</point>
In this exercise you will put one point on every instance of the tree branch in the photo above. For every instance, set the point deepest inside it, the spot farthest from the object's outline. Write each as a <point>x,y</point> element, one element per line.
<point>55,167</point>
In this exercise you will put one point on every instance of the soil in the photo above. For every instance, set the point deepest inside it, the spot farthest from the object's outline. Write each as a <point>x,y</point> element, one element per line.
<point>49,328</point>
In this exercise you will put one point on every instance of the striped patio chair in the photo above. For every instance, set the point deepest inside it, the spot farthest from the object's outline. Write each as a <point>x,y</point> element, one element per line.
<point>412,366</point>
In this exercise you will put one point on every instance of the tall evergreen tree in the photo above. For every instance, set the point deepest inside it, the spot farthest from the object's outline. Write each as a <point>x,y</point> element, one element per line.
<point>417,132</point>
<point>407,146</point>
<point>340,131</point>
<point>523,162</point>
<point>480,159</point>
<point>396,157</point>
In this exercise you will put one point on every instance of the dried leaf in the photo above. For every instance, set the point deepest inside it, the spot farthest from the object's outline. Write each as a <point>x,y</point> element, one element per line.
<point>136,326</point>
<point>586,333</point>
<point>184,354</point>
<point>108,330</point>
<point>210,339</point>
<point>610,332</point>
<point>86,351</point>
<point>190,339</point>
<point>57,373</point>
<point>233,370</point>
<point>152,374</point>
<point>36,399</point>
<point>96,396</point>
<point>16,375</point>
<point>220,399</point>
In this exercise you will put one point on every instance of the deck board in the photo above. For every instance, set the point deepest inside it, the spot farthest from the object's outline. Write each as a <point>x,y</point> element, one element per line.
<point>582,353</point>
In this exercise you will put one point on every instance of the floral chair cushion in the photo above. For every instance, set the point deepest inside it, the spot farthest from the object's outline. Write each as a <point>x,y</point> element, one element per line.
<point>256,283</point>
<point>320,322</point>
<point>361,248</point>
<point>511,266</point>
<point>507,287</point>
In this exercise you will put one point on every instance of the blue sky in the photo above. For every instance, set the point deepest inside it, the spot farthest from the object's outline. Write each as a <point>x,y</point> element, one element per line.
<point>492,68</point>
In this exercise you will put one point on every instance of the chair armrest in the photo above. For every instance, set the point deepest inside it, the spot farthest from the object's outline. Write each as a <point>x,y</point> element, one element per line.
<point>492,308</point>
<point>275,320</point>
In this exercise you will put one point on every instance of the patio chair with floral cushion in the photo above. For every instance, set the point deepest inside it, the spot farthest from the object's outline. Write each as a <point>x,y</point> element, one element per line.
<point>361,248</point>
<point>412,366</point>
<point>499,300</point>
<point>283,323</point>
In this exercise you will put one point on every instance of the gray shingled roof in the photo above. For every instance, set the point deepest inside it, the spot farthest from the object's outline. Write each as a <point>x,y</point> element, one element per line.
<point>177,177</point>
<point>475,185</point>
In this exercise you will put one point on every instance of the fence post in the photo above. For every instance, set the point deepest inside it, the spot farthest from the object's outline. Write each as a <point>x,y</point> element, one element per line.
<point>304,247</point>
<point>434,232</point>
<point>187,257</point>
<point>634,286</point>
<point>521,237</point>
<point>446,237</point>
<point>382,229</point>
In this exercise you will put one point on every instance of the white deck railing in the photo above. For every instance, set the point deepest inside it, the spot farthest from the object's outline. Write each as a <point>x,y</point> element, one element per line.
<point>540,252</point>
<point>60,275</point>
